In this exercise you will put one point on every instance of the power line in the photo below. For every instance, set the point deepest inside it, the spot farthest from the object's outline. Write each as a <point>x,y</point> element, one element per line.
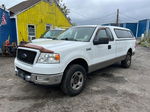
<point>104,18</point>
<point>108,18</point>
<point>127,17</point>
<point>130,17</point>
<point>124,18</point>
<point>84,16</point>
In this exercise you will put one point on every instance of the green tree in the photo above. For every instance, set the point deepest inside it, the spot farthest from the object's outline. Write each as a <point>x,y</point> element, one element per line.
<point>64,8</point>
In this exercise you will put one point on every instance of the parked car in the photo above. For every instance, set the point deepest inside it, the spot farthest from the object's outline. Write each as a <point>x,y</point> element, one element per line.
<point>51,34</point>
<point>76,52</point>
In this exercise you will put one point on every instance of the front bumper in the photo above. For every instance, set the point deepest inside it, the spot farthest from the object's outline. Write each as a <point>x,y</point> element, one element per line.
<point>43,79</point>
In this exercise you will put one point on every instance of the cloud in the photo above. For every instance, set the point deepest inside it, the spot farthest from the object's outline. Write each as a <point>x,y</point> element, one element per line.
<point>10,3</point>
<point>104,11</point>
<point>101,11</point>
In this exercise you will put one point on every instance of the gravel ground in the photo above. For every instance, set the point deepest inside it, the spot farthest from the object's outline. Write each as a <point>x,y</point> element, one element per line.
<point>113,89</point>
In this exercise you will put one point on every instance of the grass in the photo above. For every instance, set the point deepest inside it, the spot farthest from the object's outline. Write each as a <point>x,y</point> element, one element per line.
<point>145,42</point>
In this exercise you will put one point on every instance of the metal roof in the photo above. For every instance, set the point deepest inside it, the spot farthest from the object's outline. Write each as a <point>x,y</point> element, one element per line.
<point>29,3</point>
<point>24,5</point>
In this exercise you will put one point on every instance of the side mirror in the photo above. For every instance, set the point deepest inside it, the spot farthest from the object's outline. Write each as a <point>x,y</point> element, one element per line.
<point>101,41</point>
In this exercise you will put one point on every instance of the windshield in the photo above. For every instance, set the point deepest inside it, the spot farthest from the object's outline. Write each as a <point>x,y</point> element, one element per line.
<point>83,34</point>
<point>52,33</point>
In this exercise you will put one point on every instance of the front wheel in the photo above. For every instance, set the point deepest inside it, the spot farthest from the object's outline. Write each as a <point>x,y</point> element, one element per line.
<point>127,62</point>
<point>74,80</point>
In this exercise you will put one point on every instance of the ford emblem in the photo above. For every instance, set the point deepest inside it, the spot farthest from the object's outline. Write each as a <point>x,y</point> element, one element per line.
<point>24,55</point>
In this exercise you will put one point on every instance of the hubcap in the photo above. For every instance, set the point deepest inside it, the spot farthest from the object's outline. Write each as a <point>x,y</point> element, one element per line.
<point>77,80</point>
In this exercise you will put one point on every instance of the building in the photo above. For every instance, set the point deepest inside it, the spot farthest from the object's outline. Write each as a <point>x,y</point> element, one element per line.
<point>6,29</point>
<point>33,17</point>
<point>143,27</point>
<point>131,26</point>
<point>139,28</point>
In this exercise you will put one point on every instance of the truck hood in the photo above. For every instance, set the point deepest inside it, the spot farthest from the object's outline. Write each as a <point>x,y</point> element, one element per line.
<point>58,45</point>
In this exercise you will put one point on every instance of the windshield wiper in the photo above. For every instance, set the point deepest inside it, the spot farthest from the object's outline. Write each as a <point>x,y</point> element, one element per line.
<point>64,39</point>
<point>69,39</point>
<point>54,38</point>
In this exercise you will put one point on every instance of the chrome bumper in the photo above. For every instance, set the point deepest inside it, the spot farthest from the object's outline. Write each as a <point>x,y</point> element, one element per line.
<point>43,79</point>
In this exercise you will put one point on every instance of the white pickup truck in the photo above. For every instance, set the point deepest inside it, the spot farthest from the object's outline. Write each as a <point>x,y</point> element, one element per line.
<point>67,59</point>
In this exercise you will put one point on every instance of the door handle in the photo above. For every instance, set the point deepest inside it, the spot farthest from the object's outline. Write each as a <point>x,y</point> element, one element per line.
<point>88,49</point>
<point>109,46</point>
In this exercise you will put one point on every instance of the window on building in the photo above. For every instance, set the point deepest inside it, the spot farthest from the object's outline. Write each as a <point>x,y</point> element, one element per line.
<point>31,31</point>
<point>48,27</point>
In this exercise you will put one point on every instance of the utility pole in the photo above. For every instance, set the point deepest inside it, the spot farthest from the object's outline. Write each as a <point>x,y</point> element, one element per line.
<point>117,19</point>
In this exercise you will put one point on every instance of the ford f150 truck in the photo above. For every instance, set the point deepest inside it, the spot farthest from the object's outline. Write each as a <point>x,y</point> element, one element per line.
<point>67,59</point>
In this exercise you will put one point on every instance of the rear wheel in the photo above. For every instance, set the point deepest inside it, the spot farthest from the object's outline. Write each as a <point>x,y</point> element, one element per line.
<point>74,80</point>
<point>127,62</point>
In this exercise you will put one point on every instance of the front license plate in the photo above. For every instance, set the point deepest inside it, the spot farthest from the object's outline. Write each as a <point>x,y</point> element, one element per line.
<point>21,74</point>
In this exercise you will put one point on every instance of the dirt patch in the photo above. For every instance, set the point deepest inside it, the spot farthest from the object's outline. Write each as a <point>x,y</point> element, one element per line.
<point>108,91</point>
<point>111,78</point>
<point>33,108</point>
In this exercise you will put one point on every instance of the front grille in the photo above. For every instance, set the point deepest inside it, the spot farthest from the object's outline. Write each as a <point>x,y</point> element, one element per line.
<point>26,56</point>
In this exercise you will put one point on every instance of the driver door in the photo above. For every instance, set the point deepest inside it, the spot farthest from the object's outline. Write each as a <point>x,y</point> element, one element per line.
<point>104,52</point>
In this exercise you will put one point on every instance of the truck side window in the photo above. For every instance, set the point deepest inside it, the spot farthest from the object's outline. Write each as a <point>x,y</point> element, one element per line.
<point>123,33</point>
<point>110,34</point>
<point>101,34</point>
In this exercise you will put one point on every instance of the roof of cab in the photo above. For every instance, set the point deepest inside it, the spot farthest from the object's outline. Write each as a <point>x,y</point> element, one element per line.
<point>87,26</point>
<point>111,27</point>
<point>116,27</point>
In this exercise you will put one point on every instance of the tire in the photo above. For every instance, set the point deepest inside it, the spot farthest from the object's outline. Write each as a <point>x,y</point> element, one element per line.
<point>127,62</point>
<point>74,80</point>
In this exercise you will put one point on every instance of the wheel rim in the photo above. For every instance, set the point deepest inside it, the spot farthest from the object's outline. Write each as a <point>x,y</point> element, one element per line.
<point>128,60</point>
<point>77,80</point>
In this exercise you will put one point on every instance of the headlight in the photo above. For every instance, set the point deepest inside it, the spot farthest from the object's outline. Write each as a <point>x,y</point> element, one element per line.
<point>49,58</point>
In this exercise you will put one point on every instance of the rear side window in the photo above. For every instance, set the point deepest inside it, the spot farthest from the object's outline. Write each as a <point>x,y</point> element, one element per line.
<point>123,33</point>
